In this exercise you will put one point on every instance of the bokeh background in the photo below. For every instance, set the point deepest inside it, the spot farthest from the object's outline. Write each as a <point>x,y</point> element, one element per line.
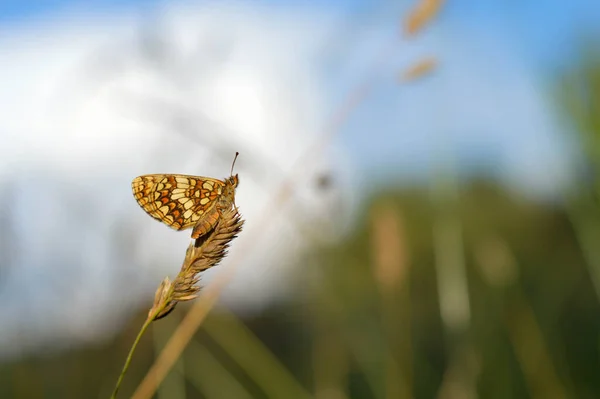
<point>438,235</point>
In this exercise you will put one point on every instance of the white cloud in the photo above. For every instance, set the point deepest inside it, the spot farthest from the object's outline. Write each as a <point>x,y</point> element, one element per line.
<point>88,105</point>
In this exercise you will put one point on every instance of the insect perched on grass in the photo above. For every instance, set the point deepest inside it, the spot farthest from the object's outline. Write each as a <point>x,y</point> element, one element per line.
<point>183,201</point>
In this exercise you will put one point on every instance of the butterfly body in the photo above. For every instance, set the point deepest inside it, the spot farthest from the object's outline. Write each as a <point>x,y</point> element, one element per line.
<point>184,201</point>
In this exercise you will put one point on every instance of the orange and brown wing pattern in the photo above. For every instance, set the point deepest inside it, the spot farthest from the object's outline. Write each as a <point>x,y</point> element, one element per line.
<point>179,201</point>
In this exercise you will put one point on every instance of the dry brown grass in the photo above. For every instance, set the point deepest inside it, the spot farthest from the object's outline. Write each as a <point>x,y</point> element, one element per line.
<point>202,254</point>
<point>423,12</point>
<point>419,69</point>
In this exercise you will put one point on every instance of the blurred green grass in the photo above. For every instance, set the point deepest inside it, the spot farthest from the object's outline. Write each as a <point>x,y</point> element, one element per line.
<point>533,327</point>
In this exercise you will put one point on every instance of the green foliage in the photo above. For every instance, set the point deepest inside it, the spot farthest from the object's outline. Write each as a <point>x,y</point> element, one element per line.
<point>356,330</point>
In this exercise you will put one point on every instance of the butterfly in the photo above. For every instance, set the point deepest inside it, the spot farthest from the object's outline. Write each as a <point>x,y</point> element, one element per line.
<point>184,201</point>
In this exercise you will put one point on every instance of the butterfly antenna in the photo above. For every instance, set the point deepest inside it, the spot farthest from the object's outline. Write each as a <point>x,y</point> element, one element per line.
<point>233,164</point>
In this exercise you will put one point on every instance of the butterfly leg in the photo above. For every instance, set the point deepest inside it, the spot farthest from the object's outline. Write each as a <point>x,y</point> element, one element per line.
<point>208,222</point>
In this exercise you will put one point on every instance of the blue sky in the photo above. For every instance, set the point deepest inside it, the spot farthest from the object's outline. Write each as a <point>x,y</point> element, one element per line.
<point>544,29</point>
<point>539,25</point>
<point>503,52</point>
<point>22,10</point>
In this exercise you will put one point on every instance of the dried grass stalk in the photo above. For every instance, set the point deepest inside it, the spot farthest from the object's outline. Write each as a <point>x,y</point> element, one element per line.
<point>423,12</point>
<point>420,69</point>
<point>390,255</point>
<point>202,254</point>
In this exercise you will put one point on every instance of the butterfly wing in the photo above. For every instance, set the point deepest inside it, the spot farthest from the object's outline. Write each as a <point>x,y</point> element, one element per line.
<point>179,201</point>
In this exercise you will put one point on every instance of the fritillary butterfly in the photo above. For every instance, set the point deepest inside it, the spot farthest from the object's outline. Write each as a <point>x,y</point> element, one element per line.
<point>184,201</point>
